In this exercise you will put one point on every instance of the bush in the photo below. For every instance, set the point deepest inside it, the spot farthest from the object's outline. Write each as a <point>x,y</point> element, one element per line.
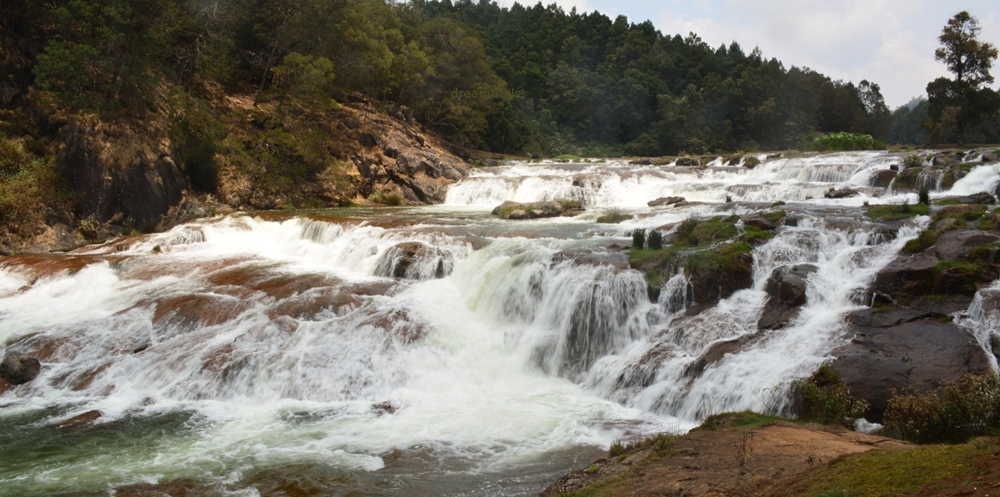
<point>966,408</point>
<point>655,240</point>
<point>912,160</point>
<point>923,241</point>
<point>638,238</point>
<point>925,197</point>
<point>824,398</point>
<point>840,142</point>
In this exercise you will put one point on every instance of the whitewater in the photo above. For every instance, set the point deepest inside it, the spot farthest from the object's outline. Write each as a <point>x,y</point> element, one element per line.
<point>424,350</point>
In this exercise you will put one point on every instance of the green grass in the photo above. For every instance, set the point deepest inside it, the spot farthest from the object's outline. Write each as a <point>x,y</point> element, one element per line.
<point>884,473</point>
<point>896,212</point>
<point>923,241</point>
<point>744,419</point>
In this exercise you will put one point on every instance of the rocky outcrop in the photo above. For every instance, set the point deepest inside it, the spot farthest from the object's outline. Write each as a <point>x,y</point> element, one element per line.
<point>842,193</point>
<point>122,173</point>
<point>663,201</point>
<point>904,349</point>
<point>786,289</point>
<point>952,266</point>
<point>396,156</point>
<point>18,370</point>
<point>882,178</point>
<point>535,210</point>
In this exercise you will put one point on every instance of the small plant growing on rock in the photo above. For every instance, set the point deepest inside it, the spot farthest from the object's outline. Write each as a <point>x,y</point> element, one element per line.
<point>655,240</point>
<point>824,398</point>
<point>88,227</point>
<point>638,238</point>
<point>912,160</point>
<point>925,197</point>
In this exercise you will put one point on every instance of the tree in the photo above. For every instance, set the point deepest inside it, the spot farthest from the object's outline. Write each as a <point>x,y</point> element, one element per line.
<point>964,100</point>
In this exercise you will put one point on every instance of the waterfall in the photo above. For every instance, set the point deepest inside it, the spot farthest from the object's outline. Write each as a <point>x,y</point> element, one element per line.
<point>429,350</point>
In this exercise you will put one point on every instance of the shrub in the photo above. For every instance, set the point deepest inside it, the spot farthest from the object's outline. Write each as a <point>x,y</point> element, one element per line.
<point>638,238</point>
<point>655,240</point>
<point>912,160</point>
<point>963,409</point>
<point>923,241</point>
<point>839,142</point>
<point>825,398</point>
<point>390,199</point>
<point>925,197</point>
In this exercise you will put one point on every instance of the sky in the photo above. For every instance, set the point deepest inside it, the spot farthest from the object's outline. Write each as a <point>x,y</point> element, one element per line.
<point>888,42</point>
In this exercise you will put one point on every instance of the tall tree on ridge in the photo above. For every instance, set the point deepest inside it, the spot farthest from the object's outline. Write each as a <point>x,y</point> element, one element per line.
<point>963,101</point>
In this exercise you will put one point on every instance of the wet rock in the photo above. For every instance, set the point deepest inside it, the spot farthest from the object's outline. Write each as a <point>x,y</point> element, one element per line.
<point>883,178</point>
<point>905,276</point>
<point>535,210</point>
<point>413,260</point>
<point>904,349</point>
<point>709,284</point>
<point>81,420</point>
<point>662,201</point>
<point>946,159</point>
<point>957,244</point>
<point>760,222</point>
<point>718,350</point>
<point>975,198</point>
<point>786,289</point>
<point>842,193</point>
<point>641,162</point>
<point>687,162</point>
<point>18,370</point>
<point>991,157</point>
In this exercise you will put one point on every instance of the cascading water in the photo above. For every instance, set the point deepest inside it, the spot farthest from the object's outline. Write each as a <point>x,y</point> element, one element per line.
<point>426,351</point>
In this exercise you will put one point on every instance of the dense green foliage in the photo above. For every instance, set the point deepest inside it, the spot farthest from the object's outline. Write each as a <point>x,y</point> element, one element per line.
<point>825,398</point>
<point>842,141</point>
<point>961,410</point>
<point>522,79</point>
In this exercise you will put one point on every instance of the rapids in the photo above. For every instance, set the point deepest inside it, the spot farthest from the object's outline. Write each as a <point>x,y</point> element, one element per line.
<point>420,351</point>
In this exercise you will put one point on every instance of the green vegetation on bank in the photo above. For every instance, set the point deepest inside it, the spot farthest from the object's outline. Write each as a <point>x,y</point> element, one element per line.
<point>842,141</point>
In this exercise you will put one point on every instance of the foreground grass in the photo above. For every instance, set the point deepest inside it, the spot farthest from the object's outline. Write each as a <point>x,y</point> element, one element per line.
<point>883,473</point>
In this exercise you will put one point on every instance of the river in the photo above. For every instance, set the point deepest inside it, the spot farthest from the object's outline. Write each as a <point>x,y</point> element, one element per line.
<point>419,351</point>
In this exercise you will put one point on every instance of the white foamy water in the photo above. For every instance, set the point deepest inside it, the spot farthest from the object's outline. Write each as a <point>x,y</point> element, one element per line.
<point>242,352</point>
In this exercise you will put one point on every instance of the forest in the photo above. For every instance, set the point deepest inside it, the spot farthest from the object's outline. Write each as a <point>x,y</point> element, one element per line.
<point>546,81</point>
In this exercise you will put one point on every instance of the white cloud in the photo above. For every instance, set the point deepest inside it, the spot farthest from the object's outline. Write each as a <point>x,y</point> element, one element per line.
<point>848,40</point>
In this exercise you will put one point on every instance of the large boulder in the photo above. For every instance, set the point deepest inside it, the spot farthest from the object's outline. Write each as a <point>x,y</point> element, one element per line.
<point>786,290</point>
<point>18,370</point>
<point>415,261</point>
<point>535,210</point>
<point>842,193</point>
<point>883,178</point>
<point>904,350</point>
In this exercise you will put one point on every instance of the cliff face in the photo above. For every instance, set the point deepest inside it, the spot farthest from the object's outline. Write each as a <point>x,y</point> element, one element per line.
<point>127,174</point>
<point>120,173</point>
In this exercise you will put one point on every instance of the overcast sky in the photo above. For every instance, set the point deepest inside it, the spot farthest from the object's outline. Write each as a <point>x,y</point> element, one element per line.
<point>888,42</point>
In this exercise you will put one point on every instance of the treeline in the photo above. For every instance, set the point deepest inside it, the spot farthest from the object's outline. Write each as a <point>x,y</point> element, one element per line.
<point>533,80</point>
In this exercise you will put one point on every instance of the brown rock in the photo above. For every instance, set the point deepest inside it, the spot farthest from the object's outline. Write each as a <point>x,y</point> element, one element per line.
<point>81,420</point>
<point>883,178</point>
<point>18,370</point>
<point>662,201</point>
